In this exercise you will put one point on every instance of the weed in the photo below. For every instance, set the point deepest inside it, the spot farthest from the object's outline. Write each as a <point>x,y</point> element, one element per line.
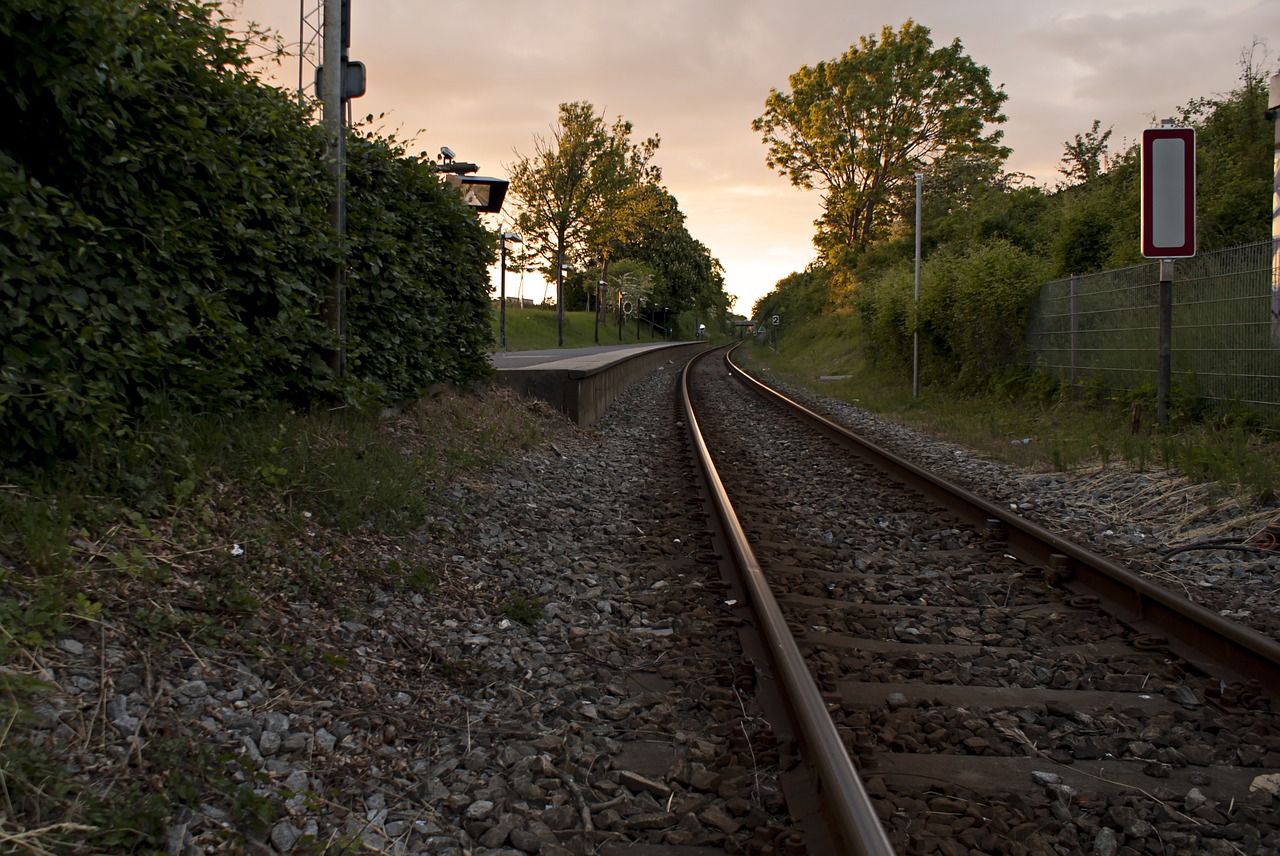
<point>1090,423</point>
<point>523,608</point>
<point>49,810</point>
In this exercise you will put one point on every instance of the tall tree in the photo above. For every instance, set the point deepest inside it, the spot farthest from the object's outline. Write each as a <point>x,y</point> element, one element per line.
<point>570,183</point>
<point>687,276</point>
<point>858,127</point>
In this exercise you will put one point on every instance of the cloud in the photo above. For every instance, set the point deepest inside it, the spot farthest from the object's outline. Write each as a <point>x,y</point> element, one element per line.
<point>485,77</point>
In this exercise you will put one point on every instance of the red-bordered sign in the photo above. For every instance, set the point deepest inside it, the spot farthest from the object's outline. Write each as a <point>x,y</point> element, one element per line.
<point>1168,193</point>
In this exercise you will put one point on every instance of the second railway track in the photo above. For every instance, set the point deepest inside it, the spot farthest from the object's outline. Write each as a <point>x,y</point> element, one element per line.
<point>987,708</point>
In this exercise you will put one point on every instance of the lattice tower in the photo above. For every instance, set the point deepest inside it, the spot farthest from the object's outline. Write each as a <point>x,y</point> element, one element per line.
<point>310,42</point>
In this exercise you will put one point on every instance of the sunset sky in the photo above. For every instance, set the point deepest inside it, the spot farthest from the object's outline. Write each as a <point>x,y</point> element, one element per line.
<point>483,77</point>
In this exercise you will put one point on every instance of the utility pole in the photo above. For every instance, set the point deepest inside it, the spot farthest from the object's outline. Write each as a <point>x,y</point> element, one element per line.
<point>1273,113</point>
<point>915,333</point>
<point>333,125</point>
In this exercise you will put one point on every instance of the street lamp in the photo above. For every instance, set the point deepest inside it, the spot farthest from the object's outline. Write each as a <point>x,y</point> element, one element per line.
<point>599,307</point>
<point>502,293</point>
<point>639,309</point>
<point>481,192</point>
<point>622,296</point>
<point>666,331</point>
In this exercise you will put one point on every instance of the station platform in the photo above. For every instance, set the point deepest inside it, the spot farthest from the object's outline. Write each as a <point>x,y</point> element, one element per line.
<point>583,382</point>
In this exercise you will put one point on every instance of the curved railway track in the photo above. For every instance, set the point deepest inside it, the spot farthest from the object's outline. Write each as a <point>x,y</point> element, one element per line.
<point>948,678</point>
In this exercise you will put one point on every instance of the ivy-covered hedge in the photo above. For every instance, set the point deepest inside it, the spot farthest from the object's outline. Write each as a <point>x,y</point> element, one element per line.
<point>165,237</point>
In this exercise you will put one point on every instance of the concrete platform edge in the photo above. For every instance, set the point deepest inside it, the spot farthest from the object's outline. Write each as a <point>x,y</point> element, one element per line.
<point>583,388</point>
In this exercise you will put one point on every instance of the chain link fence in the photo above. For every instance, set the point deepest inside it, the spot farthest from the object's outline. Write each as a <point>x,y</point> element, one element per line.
<point>1104,328</point>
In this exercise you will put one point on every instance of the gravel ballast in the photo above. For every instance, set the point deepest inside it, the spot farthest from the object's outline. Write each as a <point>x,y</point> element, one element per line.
<point>568,682</point>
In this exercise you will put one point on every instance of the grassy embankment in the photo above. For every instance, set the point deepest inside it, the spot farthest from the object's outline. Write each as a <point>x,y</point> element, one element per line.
<point>535,329</point>
<point>1239,455</point>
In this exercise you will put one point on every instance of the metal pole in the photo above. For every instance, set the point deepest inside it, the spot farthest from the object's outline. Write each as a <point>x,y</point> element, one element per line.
<point>915,332</point>
<point>332,122</point>
<point>1274,113</point>
<point>502,295</point>
<point>1164,372</point>
<point>560,300</point>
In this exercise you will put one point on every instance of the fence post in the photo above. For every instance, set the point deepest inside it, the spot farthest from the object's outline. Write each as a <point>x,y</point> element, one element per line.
<point>1166,342</point>
<point>1075,332</point>
<point>1273,111</point>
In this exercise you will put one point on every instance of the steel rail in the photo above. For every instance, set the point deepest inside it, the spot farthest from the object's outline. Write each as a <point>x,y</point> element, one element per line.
<point>1211,643</point>
<point>847,809</point>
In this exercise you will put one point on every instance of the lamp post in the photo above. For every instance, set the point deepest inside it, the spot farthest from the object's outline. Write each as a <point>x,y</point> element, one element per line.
<point>599,307</point>
<point>666,331</point>
<point>639,309</point>
<point>560,303</point>
<point>1273,113</point>
<point>915,333</point>
<point>502,289</point>
<point>622,296</point>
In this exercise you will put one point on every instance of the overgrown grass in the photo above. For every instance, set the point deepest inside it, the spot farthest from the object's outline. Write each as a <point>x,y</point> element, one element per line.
<point>1037,426</point>
<point>195,529</point>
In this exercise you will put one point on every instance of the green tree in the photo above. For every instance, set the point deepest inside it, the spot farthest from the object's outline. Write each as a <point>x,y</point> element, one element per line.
<point>858,127</point>
<point>687,277</point>
<point>1234,161</point>
<point>1086,158</point>
<point>573,182</point>
<point>635,200</point>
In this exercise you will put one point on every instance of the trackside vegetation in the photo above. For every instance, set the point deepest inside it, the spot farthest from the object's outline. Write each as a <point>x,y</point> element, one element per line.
<point>165,239</point>
<point>989,241</point>
<point>168,422</point>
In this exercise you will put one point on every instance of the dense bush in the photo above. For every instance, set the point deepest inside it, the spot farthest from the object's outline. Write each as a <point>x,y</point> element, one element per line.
<point>417,278</point>
<point>974,306</point>
<point>973,311</point>
<point>165,237</point>
<point>798,295</point>
<point>885,305</point>
<point>162,216</point>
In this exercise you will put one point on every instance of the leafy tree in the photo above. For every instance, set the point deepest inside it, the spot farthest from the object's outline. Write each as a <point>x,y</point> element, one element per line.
<point>578,189</point>
<point>858,127</point>
<point>637,201</point>
<point>1086,158</point>
<point>1235,160</point>
<point>687,277</point>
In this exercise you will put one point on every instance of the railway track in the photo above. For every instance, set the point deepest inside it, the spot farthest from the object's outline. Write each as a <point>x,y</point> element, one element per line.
<point>946,678</point>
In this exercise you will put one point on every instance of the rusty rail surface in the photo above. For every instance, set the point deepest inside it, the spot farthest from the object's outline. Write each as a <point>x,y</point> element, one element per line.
<point>847,809</point>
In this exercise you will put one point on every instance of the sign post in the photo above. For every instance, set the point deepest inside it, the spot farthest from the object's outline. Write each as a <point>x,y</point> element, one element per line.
<point>1168,228</point>
<point>1168,192</point>
<point>1273,111</point>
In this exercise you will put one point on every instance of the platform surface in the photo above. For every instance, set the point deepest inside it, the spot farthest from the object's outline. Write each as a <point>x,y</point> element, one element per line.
<point>572,359</point>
